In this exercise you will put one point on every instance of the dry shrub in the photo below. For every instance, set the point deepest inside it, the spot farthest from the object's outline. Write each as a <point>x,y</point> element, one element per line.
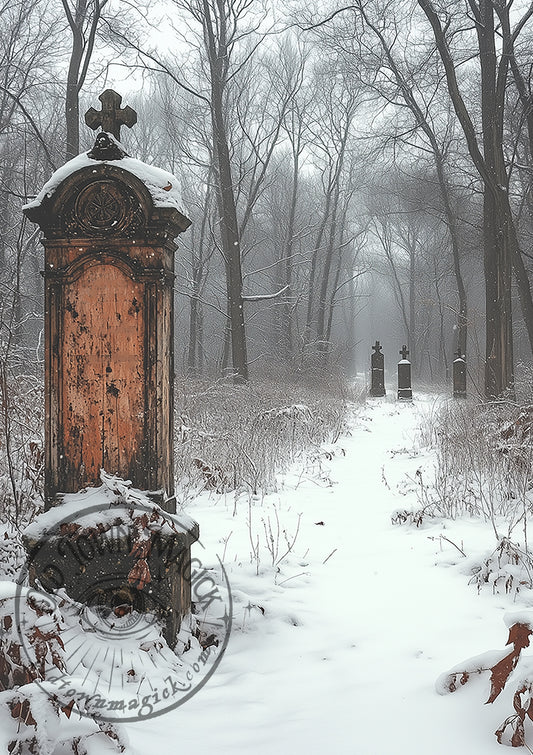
<point>21,445</point>
<point>509,569</point>
<point>230,437</point>
<point>226,436</point>
<point>483,465</point>
<point>31,708</point>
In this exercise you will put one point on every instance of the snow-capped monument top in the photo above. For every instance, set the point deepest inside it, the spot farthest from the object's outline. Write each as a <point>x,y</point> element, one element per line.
<point>163,187</point>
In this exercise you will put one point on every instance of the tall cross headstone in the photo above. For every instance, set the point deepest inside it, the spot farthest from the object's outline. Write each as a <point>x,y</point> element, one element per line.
<point>405,392</point>
<point>109,224</point>
<point>109,272</point>
<point>377,365</point>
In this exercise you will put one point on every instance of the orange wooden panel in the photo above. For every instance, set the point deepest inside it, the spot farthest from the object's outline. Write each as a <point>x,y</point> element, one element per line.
<point>102,403</point>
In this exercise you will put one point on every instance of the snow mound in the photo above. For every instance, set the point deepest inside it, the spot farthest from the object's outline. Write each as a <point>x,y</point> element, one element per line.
<point>93,507</point>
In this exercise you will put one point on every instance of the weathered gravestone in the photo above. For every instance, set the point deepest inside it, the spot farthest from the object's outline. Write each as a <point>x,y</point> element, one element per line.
<point>405,392</point>
<point>377,364</point>
<point>109,223</point>
<point>459,375</point>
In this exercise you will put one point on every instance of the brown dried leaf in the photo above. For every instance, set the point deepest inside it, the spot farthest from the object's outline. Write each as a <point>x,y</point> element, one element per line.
<point>22,711</point>
<point>500,674</point>
<point>67,709</point>
<point>22,676</point>
<point>58,661</point>
<point>518,738</point>
<point>141,549</point>
<point>139,573</point>
<point>13,652</point>
<point>142,521</point>
<point>519,636</point>
<point>451,681</point>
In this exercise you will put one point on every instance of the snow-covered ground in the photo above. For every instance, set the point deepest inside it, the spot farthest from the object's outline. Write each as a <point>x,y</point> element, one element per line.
<point>337,648</point>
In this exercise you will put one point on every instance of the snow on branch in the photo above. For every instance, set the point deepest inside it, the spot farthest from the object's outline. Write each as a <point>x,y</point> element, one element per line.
<point>261,297</point>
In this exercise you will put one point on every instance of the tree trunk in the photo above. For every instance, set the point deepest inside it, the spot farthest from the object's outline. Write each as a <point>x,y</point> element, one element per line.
<point>287,312</point>
<point>80,57</point>
<point>490,165</point>
<point>229,229</point>
<point>497,258</point>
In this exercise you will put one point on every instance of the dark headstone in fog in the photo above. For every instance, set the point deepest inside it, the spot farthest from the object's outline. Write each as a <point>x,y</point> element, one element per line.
<point>459,375</point>
<point>405,392</point>
<point>377,363</point>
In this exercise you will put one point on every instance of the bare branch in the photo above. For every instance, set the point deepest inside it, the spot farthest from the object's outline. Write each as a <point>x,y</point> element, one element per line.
<point>262,297</point>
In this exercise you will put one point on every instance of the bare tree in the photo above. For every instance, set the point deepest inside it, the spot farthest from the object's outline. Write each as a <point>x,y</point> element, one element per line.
<point>500,242</point>
<point>331,132</point>
<point>402,88</point>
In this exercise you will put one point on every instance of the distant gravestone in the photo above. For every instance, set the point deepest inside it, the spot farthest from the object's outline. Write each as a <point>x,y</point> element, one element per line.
<point>405,392</point>
<point>459,375</point>
<point>109,223</point>
<point>377,364</point>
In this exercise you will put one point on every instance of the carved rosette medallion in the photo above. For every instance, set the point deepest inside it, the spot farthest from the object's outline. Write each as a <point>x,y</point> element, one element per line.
<point>103,206</point>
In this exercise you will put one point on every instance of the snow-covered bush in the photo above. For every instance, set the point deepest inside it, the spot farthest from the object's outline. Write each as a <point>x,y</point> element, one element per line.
<point>227,437</point>
<point>507,569</point>
<point>12,553</point>
<point>239,437</point>
<point>31,708</point>
<point>483,467</point>
<point>21,444</point>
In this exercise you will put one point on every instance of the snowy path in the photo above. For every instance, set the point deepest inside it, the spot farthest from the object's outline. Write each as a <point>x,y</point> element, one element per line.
<point>345,658</point>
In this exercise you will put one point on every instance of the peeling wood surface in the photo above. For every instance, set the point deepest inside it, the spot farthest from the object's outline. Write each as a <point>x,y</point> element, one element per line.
<point>103,372</point>
<point>109,317</point>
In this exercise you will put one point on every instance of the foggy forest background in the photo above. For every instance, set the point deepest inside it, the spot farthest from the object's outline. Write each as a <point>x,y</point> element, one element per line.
<point>360,189</point>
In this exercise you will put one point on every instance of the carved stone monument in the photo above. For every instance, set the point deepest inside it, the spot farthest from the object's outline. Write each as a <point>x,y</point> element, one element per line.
<point>377,364</point>
<point>405,392</point>
<point>109,223</point>
<point>459,375</point>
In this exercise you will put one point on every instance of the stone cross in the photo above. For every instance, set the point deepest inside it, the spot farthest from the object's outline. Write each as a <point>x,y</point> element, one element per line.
<point>404,353</point>
<point>111,117</point>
